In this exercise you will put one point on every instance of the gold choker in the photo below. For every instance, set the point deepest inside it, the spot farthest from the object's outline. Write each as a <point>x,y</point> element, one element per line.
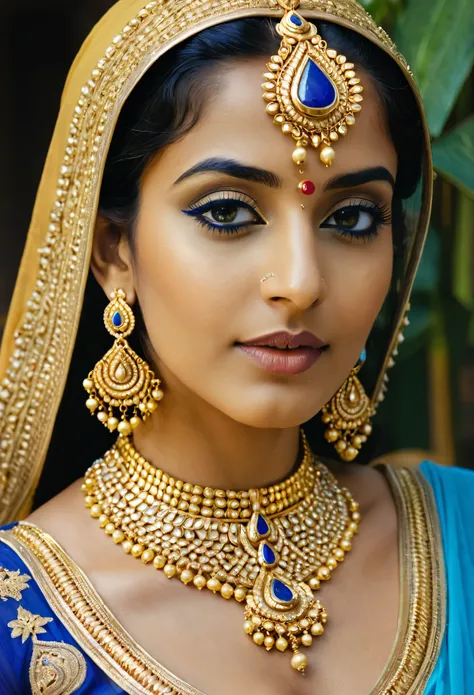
<point>270,548</point>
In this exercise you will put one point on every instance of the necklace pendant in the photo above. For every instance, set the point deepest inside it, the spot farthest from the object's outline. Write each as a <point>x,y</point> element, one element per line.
<point>280,612</point>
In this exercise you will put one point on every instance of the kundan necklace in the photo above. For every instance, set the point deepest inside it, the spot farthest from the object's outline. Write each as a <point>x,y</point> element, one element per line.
<point>270,548</point>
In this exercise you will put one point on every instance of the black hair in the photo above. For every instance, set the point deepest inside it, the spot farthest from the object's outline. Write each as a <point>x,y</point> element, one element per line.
<point>162,108</point>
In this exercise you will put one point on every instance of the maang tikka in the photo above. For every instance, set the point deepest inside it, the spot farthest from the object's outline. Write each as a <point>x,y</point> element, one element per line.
<point>312,92</point>
<point>348,414</point>
<point>123,390</point>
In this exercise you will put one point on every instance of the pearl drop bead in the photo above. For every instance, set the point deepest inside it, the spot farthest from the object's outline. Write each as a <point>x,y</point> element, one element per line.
<point>127,546</point>
<point>240,593</point>
<point>314,583</point>
<point>137,550</point>
<point>346,545</point>
<point>96,511</point>
<point>199,582</point>
<point>258,637</point>
<point>124,428</point>
<point>135,422</point>
<point>299,661</point>
<point>306,640</point>
<point>186,576</point>
<point>102,417</point>
<point>112,423</point>
<point>268,642</point>
<point>109,529</point>
<point>147,556</point>
<point>317,629</point>
<point>227,591</point>
<point>92,404</point>
<point>331,562</point>
<point>299,155</point>
<point>281,644</point>
<point>248,627</point>
<point>324,573</point>
<point>118,537</point>
<point>159,562</point>
<point>214,585</point>
<point>169,570</point>
<point>88,384</point>
<point>327,156</point>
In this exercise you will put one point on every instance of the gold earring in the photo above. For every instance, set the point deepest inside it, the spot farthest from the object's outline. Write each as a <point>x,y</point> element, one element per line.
<point>347,416</point>
<point>121,380</point>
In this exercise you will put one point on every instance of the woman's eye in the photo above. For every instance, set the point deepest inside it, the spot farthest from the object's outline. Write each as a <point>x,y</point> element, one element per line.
<point>358,220</point>
<point>228,213</point>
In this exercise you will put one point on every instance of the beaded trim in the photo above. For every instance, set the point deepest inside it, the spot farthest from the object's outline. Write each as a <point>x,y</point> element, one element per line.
<point>32,387</point>
<point>93,626</point>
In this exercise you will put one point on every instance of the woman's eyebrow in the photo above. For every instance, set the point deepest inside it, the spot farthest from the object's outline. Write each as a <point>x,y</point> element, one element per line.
<point>235,169</point>
<point>357,178</point>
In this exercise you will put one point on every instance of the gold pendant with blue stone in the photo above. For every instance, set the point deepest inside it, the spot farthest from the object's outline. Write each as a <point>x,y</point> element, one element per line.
<point>280,612</point>
<point>312,92</point>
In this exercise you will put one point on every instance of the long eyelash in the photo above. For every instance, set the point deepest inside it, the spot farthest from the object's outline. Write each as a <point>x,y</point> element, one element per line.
<point>197,209</point>
<point>382,217</point>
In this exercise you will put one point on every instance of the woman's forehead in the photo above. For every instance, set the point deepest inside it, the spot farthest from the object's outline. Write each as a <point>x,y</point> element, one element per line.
<point>234,124</point>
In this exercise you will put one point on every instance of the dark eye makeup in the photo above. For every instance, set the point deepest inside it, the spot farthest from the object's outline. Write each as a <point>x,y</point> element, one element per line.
<point>233,213</point>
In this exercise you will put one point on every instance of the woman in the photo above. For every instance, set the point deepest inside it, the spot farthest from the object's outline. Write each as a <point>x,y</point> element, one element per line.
<point>250,270</point>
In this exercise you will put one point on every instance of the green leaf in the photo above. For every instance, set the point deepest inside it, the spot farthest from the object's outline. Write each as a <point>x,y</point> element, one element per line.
<point>437,39</point>
<point>453,156</point>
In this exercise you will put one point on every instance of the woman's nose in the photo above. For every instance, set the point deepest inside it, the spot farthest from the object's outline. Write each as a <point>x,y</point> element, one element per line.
<point>293,274</point>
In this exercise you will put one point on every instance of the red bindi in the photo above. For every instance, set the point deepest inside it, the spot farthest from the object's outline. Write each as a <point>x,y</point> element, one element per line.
<point>307,187</point>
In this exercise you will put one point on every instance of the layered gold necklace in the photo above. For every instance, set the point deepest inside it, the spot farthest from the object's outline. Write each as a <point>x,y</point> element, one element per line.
<point>269,548</point>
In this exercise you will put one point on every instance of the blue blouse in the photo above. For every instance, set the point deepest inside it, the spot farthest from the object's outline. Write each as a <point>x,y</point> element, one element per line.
<point>41,647</point>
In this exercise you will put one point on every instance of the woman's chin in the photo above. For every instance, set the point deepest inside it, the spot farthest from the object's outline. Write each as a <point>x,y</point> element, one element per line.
<point>267,413</point>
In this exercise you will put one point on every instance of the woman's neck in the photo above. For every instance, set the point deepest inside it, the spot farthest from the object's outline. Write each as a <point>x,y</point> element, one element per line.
<point>209,449</point>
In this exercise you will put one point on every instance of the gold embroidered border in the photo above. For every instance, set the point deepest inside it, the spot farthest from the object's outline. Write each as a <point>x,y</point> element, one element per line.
<point>422,605</point>
<point>37,352</point>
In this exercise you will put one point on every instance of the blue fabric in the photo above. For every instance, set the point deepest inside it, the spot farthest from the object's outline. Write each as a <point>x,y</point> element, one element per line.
<point>15,657</point>
<point>453,489</point>
<point>454,493</point>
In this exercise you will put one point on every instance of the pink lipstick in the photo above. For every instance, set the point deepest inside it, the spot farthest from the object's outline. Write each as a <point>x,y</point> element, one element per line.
<point>284,353</point>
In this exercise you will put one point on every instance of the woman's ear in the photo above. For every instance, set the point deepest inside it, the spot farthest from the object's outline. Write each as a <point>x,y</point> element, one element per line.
<point>111,261</point>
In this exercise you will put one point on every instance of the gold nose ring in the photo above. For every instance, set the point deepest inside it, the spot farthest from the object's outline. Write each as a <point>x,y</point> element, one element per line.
<point>267,277</point>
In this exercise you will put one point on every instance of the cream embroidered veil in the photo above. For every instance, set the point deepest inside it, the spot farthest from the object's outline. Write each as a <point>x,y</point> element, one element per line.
<point>42,325</point>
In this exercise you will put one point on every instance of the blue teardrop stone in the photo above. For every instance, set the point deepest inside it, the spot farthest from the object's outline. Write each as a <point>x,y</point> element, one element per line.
<point>297,21</point>
<point>262,526</point>
<point>117,319</point>
<point>363,355</point>
<point>281,592</point>
<point>315,90</point>
<point>268,555</point>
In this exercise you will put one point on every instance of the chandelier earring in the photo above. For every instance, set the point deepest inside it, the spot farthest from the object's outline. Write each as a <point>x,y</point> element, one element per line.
<point>348,414</point>
<point>123,390</point>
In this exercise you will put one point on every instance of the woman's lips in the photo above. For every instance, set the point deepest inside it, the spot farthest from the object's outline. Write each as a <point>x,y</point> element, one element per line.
<point>276,361</point>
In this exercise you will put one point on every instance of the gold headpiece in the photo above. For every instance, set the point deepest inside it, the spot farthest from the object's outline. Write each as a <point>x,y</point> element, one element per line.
<point>313,92</point>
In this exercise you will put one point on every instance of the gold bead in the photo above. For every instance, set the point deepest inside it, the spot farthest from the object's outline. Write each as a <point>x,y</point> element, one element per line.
<point>109,529</point>
<point>96,511</point>
<point>256,620</point>
<point>306,640</point>
<point>151,406</point>
<point>148,556</point>
<point>135,422</point>
<point>357,441</point>
<point>248,627</point>
<point>92,404</point>
<point>299,155</point>
<point>268,642</point>
<point>324,574</point>
<point>356,517</point>
<point>367,429</point>
<point>353,527</point>
<point>258,637</point>
<point>186,576</point>
<point>346,545</point>
<point>88,384</point>
<point>112,423</point>
<point>227,591</point>
<point>90,501</point>
<point>214,585</point>
<point>331,435</point>
<point>327,156</point>
<point>331,562</point>
<point>199,582</point>
<point>314,583</point>
<point>137,550</point>
<point>317,629</point>
<point>299,661</point>
<point>287,128</point>
<point>340,446</point>
<point>316,140</point>
<point>281,644</point>
<point>102,416</point>
<point>240,593</point>
<point>350,453</point>
<point>339,554</point>
<point>124,428</point>
<point>159,562</point>
<point>127,546</point>
<point>157,394</point>
<point>118,537</point>
<point>169,570</point>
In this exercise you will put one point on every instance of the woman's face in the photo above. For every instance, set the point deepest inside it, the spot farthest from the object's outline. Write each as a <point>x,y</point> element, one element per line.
<point>220,210</point>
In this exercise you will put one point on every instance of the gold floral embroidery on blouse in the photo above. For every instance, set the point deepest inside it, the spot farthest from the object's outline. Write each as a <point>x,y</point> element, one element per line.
<point>12,584</point>
<point>56,668</point>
